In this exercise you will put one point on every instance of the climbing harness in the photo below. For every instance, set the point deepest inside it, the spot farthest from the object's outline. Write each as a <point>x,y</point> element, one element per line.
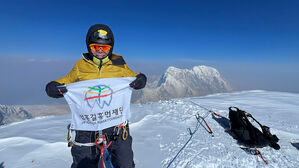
<point>71,139</point>
<point>105,158</point>
<point>122,126</point>
<point>100,142</point>
<point>69,132</point>
<point>72,134</point>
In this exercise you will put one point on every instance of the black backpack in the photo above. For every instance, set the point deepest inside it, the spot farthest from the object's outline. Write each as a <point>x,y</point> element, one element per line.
<point>248,134</point>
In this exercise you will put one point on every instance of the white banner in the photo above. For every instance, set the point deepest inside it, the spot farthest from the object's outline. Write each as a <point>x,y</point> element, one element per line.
<point>99,103</point>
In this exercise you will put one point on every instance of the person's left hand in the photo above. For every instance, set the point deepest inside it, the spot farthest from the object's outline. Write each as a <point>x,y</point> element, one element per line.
<point>139,82</point>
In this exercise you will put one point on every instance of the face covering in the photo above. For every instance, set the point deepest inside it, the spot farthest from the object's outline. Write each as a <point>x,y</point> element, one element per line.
<point>98,61</point>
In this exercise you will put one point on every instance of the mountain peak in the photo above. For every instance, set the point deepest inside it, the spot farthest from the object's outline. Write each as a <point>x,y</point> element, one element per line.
<point>9,114</point>
<point>175,75</point>
<point>175,82</point>
<point>200,69</point>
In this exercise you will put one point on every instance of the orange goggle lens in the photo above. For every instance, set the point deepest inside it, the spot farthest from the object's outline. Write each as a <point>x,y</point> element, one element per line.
<point>97,47</point>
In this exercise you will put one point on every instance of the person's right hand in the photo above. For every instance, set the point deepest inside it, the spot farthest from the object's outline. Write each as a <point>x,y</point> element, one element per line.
<point>53,89</point>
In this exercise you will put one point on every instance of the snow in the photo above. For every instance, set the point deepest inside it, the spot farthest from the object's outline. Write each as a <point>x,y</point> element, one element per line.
<point>198,81</point>
<point>202,72</point>
<point>159,130</point>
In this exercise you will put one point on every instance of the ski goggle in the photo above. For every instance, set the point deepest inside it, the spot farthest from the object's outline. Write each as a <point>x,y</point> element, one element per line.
<point>96,47</point>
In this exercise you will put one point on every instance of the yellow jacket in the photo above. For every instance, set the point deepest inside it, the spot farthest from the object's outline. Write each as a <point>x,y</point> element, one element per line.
<point>86,69</point>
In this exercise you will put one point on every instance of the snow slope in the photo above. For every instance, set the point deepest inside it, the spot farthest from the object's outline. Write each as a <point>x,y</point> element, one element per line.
<point>159,130</point>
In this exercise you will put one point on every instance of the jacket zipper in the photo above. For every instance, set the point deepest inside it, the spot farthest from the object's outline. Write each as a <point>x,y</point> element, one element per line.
<point>100,67</point>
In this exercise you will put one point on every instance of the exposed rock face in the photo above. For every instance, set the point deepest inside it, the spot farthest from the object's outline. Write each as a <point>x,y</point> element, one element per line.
<point>178,83</point>
<point>9,114</point>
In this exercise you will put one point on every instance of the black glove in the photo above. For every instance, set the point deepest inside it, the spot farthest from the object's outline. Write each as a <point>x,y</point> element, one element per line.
<point>139,82</point>
<point>54,91</point>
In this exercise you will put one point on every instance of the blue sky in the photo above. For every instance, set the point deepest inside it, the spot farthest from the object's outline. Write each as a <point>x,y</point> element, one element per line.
<point>215,30</point>
<point>253,43</point>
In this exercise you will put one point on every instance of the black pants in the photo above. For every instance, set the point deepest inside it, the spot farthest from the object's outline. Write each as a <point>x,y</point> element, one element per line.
<point>88,157</point>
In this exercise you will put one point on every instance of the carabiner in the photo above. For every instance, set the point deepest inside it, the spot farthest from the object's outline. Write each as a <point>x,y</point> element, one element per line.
<point>125,133</point>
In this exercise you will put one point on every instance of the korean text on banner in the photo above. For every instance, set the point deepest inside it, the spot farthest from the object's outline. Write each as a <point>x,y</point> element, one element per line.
<point>99,103</point>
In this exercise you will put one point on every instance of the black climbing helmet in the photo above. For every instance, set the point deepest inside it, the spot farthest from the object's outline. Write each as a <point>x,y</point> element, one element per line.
<point>99,34</point>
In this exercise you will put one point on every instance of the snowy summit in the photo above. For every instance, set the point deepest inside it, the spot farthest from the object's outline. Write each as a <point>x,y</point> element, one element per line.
<point>160,130</point>
<point>179,83</point>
